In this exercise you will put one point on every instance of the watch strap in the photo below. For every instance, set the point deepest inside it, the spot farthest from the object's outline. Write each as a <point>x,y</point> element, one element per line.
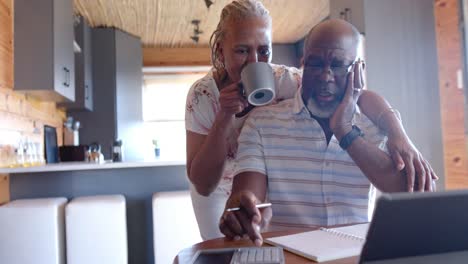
<point>348,139</point>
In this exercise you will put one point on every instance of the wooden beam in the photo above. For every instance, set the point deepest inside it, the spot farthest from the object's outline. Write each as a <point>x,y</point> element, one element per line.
<point>451,97</point>
<point>153,57</point>
<point>4,188</point>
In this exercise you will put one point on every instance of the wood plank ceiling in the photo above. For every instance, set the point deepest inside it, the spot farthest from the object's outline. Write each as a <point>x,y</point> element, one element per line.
<point>167,23</point>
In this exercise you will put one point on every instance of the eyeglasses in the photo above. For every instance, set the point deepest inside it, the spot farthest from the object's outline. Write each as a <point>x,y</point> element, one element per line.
<point>337,70</point>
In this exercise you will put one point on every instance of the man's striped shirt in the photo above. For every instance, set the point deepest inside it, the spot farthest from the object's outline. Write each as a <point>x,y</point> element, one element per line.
<point>310,183</point>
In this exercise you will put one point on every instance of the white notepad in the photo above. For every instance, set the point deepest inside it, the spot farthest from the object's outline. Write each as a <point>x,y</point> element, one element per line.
<point>324,244</point>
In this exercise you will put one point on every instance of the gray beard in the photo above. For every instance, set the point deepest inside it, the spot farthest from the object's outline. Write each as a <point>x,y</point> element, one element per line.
<point>321,112</point>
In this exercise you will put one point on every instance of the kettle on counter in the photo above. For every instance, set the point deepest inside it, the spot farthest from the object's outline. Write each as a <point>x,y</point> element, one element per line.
<point>94,154</point>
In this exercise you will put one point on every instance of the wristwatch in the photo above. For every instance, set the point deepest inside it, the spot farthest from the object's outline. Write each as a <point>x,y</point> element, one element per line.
<point>346,141</point>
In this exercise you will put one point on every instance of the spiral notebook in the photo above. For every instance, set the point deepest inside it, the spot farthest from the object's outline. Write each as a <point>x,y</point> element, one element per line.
<point>324,244</point>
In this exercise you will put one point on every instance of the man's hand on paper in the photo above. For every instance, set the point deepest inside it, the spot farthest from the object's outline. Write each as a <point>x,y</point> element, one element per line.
<point>246,222</point>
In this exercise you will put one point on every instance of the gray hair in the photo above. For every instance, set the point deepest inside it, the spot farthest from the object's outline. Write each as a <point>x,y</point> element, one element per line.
<point>234,11</point>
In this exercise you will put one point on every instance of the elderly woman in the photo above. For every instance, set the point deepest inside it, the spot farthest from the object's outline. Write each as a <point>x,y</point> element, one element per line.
<point>243,36</point>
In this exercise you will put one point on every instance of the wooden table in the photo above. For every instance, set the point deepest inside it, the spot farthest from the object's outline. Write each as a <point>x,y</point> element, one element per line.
<point>186,255</point>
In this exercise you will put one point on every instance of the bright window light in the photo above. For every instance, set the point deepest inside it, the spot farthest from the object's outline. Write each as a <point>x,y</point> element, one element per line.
<point>164,97</point>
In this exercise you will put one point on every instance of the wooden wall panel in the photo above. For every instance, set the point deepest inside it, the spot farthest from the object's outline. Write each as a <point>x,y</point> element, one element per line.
<point>6,43</point>
<point>451,97</point>
<point>153,57</point>
<point>4,188</point>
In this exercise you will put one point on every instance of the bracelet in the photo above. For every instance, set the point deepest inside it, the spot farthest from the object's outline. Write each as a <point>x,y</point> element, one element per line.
<point>388,110</point>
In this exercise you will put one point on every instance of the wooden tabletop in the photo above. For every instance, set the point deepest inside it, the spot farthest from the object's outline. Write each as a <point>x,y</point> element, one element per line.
<point>186,255</point>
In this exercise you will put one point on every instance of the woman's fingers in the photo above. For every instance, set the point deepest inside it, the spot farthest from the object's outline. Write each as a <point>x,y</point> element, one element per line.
<point>397,160</point>
<point>231,100</point>
<point>420,174</point>
<point>428,187</point>
<point>410,175</point>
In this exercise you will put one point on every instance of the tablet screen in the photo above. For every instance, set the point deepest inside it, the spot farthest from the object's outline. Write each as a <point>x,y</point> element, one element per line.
<point>223,257</point>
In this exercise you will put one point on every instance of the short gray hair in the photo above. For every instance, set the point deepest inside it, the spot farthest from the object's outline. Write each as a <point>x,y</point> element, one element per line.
<point>234,11</point>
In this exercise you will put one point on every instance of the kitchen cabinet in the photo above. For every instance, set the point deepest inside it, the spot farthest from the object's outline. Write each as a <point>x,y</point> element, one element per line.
<point>118,79</point>
<point>43,45</point>
<point>83,69</point>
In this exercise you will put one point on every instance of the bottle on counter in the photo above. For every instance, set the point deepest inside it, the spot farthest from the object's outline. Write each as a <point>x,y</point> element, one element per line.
<point>12,148</point>
<point>20,154</point>
<point>4,159</point>
<point>40,154</point>
<point>157,149</point>
<point>117,151</point>
<point>28,154</point>
<point>11,161</point>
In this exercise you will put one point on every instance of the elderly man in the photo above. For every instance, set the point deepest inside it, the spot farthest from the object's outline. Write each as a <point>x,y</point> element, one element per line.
<point>315,157</point>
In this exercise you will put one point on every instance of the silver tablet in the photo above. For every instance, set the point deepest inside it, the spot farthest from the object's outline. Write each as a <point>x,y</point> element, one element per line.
<point>417,224</point>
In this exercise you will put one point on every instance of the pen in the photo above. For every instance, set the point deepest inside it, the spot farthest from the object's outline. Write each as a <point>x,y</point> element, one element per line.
<point>262,205</point>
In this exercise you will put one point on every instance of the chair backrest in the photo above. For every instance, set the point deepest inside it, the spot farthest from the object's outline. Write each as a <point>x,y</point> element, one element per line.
<point>33,231</point>
<point>174,225</point>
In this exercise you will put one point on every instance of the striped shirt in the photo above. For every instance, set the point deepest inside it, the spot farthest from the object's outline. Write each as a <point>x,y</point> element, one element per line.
<point>310,183</point>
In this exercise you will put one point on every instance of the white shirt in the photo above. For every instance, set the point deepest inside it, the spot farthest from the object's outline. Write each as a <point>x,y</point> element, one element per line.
<point>201,109</point>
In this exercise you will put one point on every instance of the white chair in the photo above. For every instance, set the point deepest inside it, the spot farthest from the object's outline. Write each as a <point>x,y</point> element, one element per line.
<point>174,225</point>
<point>96,229</point>
<point>33,231</point>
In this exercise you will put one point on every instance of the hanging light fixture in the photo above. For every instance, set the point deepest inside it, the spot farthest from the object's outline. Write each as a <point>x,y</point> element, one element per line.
<point>208,3</point>
<point>195,38</point>
<point>196,30</point>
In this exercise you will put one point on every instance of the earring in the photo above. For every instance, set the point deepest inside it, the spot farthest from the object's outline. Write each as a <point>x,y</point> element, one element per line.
<point>219,64</point>
<point>221,69</point>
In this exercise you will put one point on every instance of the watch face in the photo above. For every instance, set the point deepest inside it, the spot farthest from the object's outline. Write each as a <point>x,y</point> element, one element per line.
<point>358,130</point>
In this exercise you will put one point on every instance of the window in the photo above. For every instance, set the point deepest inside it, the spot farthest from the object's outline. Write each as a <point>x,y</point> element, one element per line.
<point>164,96</point>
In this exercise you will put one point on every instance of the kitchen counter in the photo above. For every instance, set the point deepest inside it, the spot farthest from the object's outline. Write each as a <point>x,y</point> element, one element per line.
<point>79,166</point>
<point>136,181</point>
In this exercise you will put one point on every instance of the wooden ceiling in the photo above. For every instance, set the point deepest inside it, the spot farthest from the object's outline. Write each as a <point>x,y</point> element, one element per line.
<point>167,23</point>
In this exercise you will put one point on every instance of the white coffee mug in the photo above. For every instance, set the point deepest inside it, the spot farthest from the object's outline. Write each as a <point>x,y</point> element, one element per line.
<point>259,83</point>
